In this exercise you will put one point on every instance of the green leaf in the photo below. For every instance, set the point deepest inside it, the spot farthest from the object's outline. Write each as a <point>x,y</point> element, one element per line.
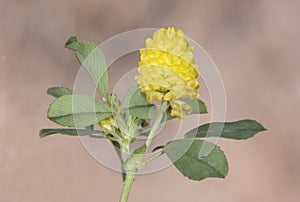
<point>73,132</point>
<point>141,150</point>
<point>136,104</point>
<point>238,130</point>
<point>198,106</point>
<point>134,98</point>
<point>82,110</point>
<point>197,159</point>
<point>92,59</point>
<point>59,91</point>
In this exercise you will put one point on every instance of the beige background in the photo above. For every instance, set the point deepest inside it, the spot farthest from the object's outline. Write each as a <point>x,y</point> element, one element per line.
<point>255,45</point>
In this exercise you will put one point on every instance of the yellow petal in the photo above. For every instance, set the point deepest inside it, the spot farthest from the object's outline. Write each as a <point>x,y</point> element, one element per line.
<point>167,70</point>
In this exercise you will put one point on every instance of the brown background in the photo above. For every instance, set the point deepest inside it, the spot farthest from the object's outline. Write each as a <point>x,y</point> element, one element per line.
<point>255,45</point>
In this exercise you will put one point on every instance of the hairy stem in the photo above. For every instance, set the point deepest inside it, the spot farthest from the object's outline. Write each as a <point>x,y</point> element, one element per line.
<point>130,176</point>
<point>127,186</point>
<point>156,124</point>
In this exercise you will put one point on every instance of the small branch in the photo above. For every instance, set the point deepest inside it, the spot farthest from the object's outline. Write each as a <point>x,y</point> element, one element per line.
<point>151,158</point>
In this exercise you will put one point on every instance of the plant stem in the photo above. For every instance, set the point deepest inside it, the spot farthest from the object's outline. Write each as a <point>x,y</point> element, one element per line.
<point>130,176</point>
<point>156,124</point>
<point>127,186</point>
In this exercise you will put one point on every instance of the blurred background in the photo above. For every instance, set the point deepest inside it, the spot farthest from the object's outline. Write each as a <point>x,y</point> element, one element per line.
<point>255,45</point>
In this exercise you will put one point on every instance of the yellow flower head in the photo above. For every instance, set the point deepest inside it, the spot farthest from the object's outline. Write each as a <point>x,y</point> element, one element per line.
<point>108,125</point>
<point>167,70</point>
